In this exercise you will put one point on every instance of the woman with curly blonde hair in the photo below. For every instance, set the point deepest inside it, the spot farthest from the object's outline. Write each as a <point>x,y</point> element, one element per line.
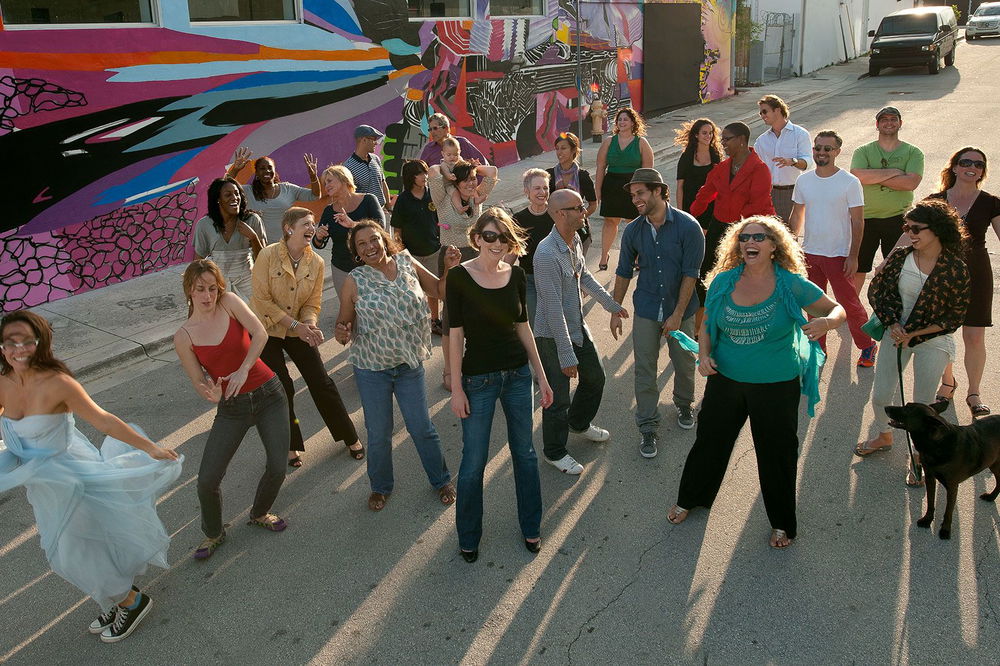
<point>759,353</point>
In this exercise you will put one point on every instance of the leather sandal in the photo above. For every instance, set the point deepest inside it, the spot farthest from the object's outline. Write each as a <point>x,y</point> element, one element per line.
<point>376,501</point>
<point>357,454</point>
<point>447,494</point>
<point>979,409</point>
<point>947,398</point>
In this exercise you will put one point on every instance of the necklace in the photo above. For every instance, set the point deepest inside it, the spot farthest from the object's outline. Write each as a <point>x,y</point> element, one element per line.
<point>296,262</point>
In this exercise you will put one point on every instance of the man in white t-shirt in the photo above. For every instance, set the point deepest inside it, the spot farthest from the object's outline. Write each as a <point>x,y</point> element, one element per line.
<point>831,202</point>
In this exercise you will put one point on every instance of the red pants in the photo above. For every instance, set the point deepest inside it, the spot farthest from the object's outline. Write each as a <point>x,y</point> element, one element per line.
<point>823,270</point>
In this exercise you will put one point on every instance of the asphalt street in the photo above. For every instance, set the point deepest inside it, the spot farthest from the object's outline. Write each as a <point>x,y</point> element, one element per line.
<point>614,582</point>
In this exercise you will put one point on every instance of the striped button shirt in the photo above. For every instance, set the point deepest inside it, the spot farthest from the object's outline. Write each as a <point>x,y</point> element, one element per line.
<point>560,271</point>
<point>368,176</point>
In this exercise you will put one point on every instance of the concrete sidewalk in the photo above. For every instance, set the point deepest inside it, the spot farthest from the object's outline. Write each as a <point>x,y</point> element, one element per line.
<point>106,330</point>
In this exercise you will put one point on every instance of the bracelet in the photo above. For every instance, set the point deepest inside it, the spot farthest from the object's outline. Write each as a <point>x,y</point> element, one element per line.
<point>295,322</point>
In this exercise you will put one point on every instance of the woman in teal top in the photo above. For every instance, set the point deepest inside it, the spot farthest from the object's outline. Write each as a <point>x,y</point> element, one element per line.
<point>759,354</point>
<point>617,160</point>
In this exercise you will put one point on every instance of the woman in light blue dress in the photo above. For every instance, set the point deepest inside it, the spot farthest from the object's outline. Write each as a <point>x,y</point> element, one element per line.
<point>95,508</point>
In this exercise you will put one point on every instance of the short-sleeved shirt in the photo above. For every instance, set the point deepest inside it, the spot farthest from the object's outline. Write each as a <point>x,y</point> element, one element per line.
<point>882,201</point>
<point>368,176</point>
<point>538,227</point>
<point>272,210</point>
<point>828,203</point>
<point>208,239</point>
<point>489,320</point>
<point>340,255</point>
<point>757,343</point>
<point>418,220</point>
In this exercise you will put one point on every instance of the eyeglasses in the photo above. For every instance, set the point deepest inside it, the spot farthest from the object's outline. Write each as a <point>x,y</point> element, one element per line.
<point>493,237</point>
<point>979,164</point>
<point>763,112</point>
<point>725,138</point>
<point>18,346</point>
<point>436,127</point>
<point>912,228</point>
<point>757,238</point>
<point>580,208</point>
<point>824,149</point>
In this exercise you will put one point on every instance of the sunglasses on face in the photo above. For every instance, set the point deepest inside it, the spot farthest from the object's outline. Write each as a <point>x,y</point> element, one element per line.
<point>757,238</point>
<point>18,346</point>
<point>725,139</point>
<point>912,228</point>
<point>966,163</point>
<point>824,149</point>
<point>580,208</point>
<point>493,237</point>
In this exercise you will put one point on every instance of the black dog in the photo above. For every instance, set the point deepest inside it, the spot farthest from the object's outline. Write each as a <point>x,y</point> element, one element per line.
<point>949,453</point>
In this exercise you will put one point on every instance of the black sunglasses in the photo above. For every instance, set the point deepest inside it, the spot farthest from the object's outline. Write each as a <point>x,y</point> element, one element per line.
<point>824,149</point>
<point>758,237</point>
<point>580,208</point>
<point>493,237</point>
<point>725,138</point>
<point>965,162</point>
<point>913,228</point>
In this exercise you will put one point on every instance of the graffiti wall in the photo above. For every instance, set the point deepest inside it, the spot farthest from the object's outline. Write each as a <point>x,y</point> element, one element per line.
<point>113,134</point>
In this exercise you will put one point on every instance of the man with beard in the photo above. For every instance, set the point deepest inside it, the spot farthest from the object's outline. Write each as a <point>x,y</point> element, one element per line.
<point>670,246</point>
<point>831,203</point>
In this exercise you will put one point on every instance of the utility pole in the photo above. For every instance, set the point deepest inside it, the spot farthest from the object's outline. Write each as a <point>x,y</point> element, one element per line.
<point>579,78</point>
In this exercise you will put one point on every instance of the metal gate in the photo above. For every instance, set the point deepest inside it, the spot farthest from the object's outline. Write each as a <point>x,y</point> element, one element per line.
<point>763,48</point>
<point>779,33</point>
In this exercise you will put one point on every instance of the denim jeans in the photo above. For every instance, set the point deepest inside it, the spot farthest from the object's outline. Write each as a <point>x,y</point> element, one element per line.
<point>376,388</point>
<point>266,408</point>
<point>563,415</point>
<point>530,299</point>
<point>515,391</point>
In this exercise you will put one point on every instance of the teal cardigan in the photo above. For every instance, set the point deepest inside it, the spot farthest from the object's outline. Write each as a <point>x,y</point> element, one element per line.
<point>811,356</point>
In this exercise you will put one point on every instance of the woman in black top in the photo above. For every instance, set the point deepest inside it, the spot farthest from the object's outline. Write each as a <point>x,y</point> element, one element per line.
<point>414,217</point>
<point>568,174</point>
<point>347,208</point>
<point>490,346</point>
<point>702,151</point>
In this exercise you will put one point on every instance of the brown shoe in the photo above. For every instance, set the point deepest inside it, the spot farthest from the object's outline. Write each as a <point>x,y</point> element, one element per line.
<point>376,501</point>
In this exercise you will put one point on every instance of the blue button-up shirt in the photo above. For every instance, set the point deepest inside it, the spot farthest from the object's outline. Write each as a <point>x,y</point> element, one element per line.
<point>666,256</point>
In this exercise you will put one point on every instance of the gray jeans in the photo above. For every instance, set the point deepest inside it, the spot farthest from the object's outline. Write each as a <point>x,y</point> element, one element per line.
<point>647,337</point>
<point>266,408</point>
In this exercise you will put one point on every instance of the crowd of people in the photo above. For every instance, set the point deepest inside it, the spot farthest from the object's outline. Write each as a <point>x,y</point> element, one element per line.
<point>731,275</point>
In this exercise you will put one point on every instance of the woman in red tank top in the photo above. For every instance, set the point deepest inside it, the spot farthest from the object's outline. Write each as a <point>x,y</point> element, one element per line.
<point>219,346</point>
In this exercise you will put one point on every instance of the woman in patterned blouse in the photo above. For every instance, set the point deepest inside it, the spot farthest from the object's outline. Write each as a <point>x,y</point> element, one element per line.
<point>383,311</point>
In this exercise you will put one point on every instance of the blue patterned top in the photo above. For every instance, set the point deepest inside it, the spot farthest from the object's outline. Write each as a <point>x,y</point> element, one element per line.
<point>391,324</point>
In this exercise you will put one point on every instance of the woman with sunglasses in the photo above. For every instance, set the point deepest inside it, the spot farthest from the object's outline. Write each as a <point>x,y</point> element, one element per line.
<point>567,174</point>
<point>491,348</point>
<point>759,354</point>
<point>920,295</point>
<point>961,183</point>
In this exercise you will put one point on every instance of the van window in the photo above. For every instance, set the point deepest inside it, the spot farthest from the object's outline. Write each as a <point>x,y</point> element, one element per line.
<point>988,10</point>
<point>909,24</point>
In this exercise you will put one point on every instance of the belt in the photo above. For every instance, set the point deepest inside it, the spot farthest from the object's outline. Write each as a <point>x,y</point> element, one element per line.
<point>782,187</point>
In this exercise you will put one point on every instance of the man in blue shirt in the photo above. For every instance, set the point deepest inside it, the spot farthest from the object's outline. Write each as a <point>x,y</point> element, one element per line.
<point>669,245</point>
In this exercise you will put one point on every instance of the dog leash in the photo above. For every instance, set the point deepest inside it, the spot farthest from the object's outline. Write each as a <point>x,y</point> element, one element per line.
<point>918,471</point>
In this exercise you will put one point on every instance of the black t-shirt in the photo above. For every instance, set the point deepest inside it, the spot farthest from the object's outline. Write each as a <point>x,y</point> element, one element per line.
<point>587,192</point>
<point>538,227</point>
<point>340,256</point>
<point>418,220</point>
<point>488,318</point>
<point>694,177</point>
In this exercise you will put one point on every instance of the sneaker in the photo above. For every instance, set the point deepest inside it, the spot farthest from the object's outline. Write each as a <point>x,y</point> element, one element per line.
<point>566,465</point>
<point>208,546</point>
<point>126,620</point>
<point>104,620</point>
<point>685,417</point>
<point>647,448</point>
<point>594,434</point>
<point>867,359</point>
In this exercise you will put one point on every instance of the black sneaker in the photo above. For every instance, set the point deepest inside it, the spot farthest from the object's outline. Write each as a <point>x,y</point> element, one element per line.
<point>647,447</point>
<point>104,620</point>
<point>126,620</point>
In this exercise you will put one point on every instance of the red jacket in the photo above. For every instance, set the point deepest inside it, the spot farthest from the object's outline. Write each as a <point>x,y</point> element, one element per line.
<point>749,193</point>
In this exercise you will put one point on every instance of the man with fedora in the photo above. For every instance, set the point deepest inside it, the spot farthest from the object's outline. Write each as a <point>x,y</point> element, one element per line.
<point>366,167</point>
<point>669,246</point>
<point>565,344</point>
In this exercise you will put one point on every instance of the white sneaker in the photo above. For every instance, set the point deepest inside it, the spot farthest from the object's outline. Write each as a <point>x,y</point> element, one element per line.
<point>595,434</point>
<point>566,465</point>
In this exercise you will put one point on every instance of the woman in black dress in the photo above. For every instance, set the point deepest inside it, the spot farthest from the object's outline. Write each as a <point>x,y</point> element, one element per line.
<point>961,183</point>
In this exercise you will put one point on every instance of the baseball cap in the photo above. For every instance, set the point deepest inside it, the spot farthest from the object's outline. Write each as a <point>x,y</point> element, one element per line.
<point>888,111</point>
<point>367,130</point>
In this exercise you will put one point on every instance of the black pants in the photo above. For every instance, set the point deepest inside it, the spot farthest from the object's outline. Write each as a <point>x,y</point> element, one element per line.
<point>322,389</point>
<point>879,232</point>
<point>773,410</point>
<point>713,236</point>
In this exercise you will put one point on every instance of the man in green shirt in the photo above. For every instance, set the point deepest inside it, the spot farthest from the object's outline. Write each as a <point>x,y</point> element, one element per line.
<point>890,170</point>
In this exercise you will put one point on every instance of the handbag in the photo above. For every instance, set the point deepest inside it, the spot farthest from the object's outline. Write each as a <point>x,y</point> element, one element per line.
<point>874,328</point>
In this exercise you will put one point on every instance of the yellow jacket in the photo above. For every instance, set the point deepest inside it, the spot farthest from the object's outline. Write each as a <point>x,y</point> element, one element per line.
<point>278,290</point>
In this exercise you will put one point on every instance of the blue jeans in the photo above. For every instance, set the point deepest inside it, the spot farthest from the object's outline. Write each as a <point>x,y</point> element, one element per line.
<point>515,392</point>
<point>376,388</point>
<point>530,299</point>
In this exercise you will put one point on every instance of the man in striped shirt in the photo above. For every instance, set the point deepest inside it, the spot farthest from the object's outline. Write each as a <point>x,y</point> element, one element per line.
<point>366,167</point>
<point>565,344</point>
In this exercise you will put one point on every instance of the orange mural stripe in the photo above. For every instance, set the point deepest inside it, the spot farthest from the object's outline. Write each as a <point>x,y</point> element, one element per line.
<point>412,69</point>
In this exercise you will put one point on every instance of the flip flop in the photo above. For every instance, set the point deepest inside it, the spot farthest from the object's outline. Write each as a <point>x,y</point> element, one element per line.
<point>269,522</point>
<point>912,481</point>
<point>777,535</point>
<point>677,515</point>
<point>862,449</point>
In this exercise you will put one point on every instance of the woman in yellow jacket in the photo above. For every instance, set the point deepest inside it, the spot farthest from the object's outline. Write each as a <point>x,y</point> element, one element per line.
<point>287,294</point>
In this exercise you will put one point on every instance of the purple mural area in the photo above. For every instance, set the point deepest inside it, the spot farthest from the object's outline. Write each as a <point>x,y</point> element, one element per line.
<point>21,97</point>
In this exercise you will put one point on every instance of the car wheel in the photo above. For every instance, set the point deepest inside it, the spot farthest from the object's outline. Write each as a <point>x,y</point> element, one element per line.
<point>949,59</point>
<point>935,65</point>
<point>969,38</point>
<point>873,70</point>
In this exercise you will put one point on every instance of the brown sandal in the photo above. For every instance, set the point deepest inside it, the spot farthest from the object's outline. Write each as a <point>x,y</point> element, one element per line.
<point>357,454</point>
<point>376,501</point>
<point>447,494</point>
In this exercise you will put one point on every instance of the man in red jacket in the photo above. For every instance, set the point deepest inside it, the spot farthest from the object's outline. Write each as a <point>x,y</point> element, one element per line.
<point>740,187</point>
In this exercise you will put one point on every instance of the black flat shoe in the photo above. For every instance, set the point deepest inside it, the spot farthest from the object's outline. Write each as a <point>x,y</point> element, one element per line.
<point>533,546</point>
<point>470,556</point>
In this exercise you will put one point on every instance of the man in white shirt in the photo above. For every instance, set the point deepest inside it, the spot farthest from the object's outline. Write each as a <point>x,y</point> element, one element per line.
<point>785,149</point>
<point>831,202</point>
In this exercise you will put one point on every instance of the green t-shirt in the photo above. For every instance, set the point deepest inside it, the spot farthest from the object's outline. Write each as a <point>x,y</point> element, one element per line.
<point>756,343</point>
<point>882,201</point>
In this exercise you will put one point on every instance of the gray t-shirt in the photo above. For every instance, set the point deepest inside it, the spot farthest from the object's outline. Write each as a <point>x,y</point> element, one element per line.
<point>207,240</point>
<point>271,210</point>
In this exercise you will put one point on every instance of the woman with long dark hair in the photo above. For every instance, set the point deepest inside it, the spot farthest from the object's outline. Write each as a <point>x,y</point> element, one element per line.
<point>95,508</point>
<point>230,234</point>
<point>702,150</point>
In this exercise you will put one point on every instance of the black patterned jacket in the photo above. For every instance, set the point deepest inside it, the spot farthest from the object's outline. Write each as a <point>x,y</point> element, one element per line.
<point>942,301</point>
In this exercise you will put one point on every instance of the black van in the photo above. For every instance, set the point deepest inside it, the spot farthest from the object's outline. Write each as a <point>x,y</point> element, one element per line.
<point>923,36</point>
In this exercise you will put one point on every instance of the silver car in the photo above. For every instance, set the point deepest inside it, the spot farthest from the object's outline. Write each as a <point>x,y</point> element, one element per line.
<point>985,21</point>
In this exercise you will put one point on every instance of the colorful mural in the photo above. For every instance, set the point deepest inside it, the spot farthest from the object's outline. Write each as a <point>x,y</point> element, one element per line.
<point>115,134</point>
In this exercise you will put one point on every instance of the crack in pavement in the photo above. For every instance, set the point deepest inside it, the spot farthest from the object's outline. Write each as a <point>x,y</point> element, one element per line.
<point>983,584</point>
<point>599,611</point>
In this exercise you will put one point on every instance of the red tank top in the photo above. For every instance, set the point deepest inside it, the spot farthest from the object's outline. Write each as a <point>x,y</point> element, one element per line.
<point>226,357</point>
